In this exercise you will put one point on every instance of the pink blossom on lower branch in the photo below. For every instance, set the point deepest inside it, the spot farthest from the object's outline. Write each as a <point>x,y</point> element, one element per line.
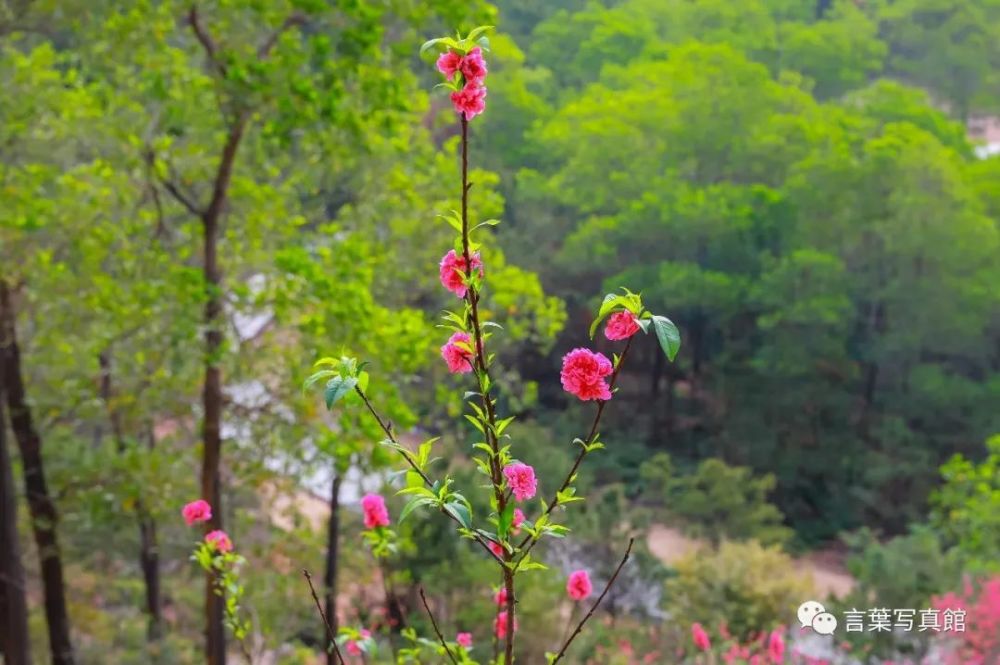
<point>497,549</point>
<point>583,373</point>
<point>776,647</point>
<point>700,637</point>
<point>470,101</point>
<point>473,67</point>
<point>501,624</point>
<point>515,525</point>
<point>464,640</point>
<point>376,514</point>
<point>453,271</point>
<point>448,63</point>
<point>197,511</point>
<point>578,585</point>
<point>500,597</point>
<point>459,359</point>
<point>521,480</point>
<point>621,325</point>
<point>219,540</point>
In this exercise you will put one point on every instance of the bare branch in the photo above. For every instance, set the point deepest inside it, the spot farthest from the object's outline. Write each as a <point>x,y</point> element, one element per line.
<point>171,187</point>
<point>329,630</point>
<point>386,427</point>
<point>607,587</point>
<point>579,458</point>
<point>205,39</point>
<point>272,39</point>
<point>437,630</point>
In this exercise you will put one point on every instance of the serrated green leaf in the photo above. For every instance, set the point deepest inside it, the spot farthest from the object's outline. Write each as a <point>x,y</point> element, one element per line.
<point>337,388</point>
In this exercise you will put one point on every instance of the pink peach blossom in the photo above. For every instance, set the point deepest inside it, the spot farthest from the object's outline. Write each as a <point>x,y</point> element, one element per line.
<point>464,640</point>
<point>496,548</point>
<point>197,511</point>
<point>700,637</point>
<point>448,63</point>
<point>776,647</point>
<point>219,541</point>
<point>470,101</point>
<point>500,597</point>
<point>473,66</point>
<point>517,521</point>
<point>621,325</point>
<point>501,624</point>
<point>583,373</point>
<point>352,648</point>
<point>453,271</point>
<point>521,480</point>
<point>376,514</point>
<point>578,585</point>
<point>459,359</point>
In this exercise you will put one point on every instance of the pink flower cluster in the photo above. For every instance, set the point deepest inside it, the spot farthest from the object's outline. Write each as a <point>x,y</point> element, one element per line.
<point>583,373</point>
<point>700,637</point>
<point>981,638</point>
<point>353,647</point>
<point>454,270</point>
<point>621,325</point>
<point>502,623</point>
<point>578,585</point>
<point>459,359</point>
<point>470,100</point>
<point>521,480</point>
<point>196,511</point>
<point>375,512</point>
<point>517,521</point>
<point>464,640</point>
<point>199,511</point>
<point>219,541</point>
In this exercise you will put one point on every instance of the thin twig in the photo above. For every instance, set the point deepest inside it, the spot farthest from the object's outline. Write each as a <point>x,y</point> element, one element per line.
<point>579,458</point>
<point>272,39</point>
<point>386,427</point>
<point>329,629</point>
<point>205,39</point>
<point>607,587</point>
<point>437,630</point>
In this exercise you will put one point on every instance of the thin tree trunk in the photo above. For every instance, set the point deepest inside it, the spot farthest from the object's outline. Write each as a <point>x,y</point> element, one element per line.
<point>14,643</point>
<point>332,562</point>
<point>44,516</point>
<point>149,559</point>
<point>212,394</point>
<point>148,556</point>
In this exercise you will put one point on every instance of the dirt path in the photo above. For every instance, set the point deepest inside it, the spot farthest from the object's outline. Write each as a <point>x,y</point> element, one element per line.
<point>828,573</point>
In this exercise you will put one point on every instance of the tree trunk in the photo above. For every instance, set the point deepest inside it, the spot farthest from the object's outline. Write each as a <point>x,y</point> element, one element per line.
<point>148,557</point>
<point>215,636</point>
<point>332,562</point>
<point>14,642</point>
<point>44,516</point>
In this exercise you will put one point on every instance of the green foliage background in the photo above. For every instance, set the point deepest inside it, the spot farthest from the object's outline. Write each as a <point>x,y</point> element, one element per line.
<point>791,179</point>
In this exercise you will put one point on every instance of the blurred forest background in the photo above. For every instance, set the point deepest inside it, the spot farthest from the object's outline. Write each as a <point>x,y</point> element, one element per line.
<point>809,188</point>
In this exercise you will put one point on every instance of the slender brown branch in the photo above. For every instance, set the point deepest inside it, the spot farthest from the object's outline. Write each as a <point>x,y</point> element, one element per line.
<point>437,630</point>
<point>593,608</point>
<point>272,39</point>
<point>205,39</point>
<point>529,540</point>
<point>322,614</point>
<point>386,427</point>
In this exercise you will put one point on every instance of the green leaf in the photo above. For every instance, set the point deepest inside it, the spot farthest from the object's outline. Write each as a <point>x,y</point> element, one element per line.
<point>412,505</point>
<point>337,388</point>
<point>460,512</point>
<point>669,336</point>
<point>505,521</point>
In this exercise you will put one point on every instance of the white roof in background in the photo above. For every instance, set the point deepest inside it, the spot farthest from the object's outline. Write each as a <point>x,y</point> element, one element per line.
<point>987,150</point>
